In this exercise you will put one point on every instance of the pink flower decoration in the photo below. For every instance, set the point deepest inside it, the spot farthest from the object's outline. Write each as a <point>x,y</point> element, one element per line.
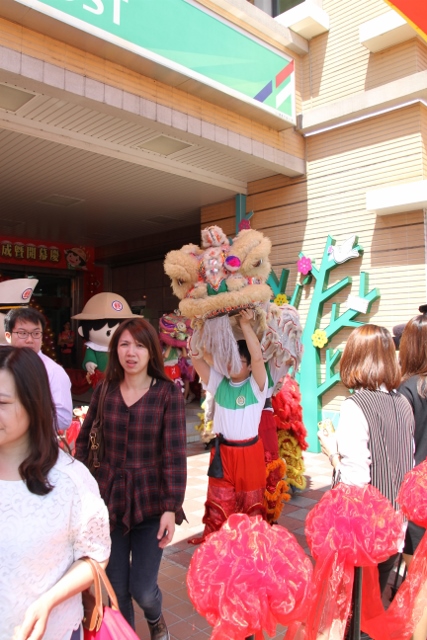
<point>304,265</point>
<point>244,224</point>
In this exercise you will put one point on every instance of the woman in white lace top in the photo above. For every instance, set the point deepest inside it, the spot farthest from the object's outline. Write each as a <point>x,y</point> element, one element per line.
<point>50,509</point>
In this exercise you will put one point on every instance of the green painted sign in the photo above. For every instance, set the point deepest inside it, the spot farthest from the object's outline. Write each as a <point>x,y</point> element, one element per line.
<point>184,36</point>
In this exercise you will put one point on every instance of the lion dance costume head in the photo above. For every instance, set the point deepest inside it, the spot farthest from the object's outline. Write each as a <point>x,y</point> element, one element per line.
<point>218,279</point>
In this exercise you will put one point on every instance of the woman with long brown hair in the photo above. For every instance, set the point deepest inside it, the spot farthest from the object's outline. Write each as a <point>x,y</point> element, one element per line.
<point>52,515</point>
<point>142,475</point>
<point>374,440</point>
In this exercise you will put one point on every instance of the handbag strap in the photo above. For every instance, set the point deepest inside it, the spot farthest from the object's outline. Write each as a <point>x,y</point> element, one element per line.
<point>100,577</point>
<point>99,418</point>
<point>100,407</point>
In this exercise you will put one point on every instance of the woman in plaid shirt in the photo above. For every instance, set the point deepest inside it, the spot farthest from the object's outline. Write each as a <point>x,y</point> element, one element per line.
<point>142,476</point>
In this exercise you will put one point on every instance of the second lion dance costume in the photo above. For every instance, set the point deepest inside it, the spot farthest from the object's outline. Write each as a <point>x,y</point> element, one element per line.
<point>281,344</point>
<point>174,331</point>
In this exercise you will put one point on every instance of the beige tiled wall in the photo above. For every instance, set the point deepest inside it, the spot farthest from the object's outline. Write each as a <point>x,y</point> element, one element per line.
<point>298,214</point>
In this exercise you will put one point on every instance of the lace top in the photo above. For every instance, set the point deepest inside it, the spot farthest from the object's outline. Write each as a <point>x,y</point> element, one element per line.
<point>41,536</point>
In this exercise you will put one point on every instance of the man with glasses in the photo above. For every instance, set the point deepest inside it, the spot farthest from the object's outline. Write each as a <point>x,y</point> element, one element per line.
<point>24,328</point>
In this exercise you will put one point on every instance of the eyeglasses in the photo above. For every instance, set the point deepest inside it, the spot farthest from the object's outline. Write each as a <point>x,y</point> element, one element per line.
<point>23,335</point>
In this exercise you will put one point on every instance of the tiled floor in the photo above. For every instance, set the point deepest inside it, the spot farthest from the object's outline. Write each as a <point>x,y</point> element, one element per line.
<point>182,619</point>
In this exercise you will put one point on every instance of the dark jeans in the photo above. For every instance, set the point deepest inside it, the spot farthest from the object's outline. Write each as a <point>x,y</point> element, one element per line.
<point>133,569</point>
<point>384,569</point>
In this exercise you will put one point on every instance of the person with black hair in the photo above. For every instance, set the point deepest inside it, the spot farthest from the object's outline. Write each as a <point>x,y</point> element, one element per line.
<point>24,327</point>
<point>237,470</point>
<point>52,515</point>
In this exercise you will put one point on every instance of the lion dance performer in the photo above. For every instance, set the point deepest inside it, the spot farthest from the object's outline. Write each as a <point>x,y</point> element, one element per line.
<point>222,288</point>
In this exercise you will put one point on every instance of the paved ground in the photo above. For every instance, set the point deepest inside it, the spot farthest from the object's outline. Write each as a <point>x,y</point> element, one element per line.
<point>182,619</point>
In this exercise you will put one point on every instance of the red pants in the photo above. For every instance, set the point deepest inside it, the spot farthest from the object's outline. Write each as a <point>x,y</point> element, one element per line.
<point>241,490</point>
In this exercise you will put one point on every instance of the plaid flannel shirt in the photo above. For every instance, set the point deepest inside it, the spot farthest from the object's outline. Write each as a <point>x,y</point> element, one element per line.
<point>144,469</point>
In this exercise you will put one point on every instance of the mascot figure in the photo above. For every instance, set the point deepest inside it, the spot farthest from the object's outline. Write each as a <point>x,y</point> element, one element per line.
<point>99,319</point>
<point>214,283</point>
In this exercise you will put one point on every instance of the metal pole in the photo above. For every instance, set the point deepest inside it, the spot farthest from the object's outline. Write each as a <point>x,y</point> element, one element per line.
<point>356,604</point>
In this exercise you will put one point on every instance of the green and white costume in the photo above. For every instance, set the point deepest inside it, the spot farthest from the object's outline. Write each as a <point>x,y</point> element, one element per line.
<point>238,406</point>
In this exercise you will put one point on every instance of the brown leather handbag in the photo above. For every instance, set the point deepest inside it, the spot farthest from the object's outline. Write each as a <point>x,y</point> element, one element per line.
<point>101,622</point>
<point>96,435</point>
<point>92,604</point>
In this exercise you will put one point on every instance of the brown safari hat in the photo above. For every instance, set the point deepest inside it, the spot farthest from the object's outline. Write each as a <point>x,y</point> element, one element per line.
<point>106,305</point>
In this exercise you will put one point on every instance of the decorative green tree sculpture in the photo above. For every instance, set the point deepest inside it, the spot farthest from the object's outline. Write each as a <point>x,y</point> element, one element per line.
<point>242,218</point>
<point>314,338</point>
<point>278,287</point>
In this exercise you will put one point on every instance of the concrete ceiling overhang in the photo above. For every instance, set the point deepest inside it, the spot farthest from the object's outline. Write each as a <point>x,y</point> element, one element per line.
<point>28,17</point>
<point>84,141</point>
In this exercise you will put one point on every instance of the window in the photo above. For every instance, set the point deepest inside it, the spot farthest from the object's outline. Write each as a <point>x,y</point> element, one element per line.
<point>280,6</point>
<point>275,7</point>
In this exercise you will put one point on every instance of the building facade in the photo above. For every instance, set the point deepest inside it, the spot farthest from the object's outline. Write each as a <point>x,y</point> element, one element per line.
<point>312,123</point>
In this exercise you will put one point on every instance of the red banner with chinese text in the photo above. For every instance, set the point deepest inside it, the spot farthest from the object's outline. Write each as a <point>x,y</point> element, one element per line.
<point>34,253</point>
<point>414,12</point>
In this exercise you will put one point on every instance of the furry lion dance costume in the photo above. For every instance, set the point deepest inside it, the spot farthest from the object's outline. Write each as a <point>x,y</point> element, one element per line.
<point>214,282</point>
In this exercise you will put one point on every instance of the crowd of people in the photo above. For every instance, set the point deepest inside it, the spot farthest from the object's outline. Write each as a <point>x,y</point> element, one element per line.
<point>119,499</point>
<point>381,432</point>
<point>55,512</point>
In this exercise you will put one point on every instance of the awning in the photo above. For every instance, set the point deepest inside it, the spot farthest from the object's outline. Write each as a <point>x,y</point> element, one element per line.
<point>414,12</point>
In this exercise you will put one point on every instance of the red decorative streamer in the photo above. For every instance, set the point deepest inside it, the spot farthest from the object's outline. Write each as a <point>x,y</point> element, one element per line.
<point>350,526</point>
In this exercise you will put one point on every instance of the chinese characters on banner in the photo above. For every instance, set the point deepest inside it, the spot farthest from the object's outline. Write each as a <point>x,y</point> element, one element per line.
<point>58,255</point>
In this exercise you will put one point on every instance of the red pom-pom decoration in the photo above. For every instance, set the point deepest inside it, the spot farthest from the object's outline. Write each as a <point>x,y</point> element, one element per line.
<point>413,495</point>
<point>249,576</point>
<point>410,602</point>
<point>358,523</point>
<point>350,526</point>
